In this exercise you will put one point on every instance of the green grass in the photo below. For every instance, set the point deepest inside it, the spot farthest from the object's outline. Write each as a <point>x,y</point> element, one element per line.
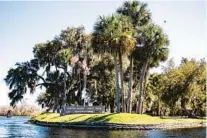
<point>122,118</point>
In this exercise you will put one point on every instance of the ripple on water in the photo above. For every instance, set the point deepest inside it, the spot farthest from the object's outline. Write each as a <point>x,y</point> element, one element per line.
<point>16,127</point>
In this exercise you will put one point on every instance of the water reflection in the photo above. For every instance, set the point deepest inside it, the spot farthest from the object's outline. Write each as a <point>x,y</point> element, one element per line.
<point>178,133</point>
<point>16,127</point>
<point>74,133</point>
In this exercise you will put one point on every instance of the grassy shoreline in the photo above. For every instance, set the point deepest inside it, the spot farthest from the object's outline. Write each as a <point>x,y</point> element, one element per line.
<point>122,118</point>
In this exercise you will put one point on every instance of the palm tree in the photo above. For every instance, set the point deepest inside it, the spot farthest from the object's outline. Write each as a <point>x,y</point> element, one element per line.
<point>154,50</point>
<point>140,16</point>
<point>113,35</point>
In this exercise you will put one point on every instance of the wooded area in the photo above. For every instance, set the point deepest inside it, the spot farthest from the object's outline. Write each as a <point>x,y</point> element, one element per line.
<point>111,67</point>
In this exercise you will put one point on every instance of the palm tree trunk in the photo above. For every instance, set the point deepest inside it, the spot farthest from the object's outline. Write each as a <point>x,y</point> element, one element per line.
<point>64,91</point>
<point>122,82</point>
<point>144,89</point>
<point>129,107</point>
<point>141,86</point>
<point>117,85</point>
<point>84,87</point>
<point>80,92</point>
<point>56,103</point>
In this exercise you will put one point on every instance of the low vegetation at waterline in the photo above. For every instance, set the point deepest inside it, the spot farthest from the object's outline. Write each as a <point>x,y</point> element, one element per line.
<point>121,118</point>
<point>23,110</point>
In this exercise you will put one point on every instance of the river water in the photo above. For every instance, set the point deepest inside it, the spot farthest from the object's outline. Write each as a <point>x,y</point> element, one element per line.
<point>15,127</point>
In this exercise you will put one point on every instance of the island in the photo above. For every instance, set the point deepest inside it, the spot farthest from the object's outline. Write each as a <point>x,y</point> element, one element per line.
<point>116,121</point>
<point>124,64</point>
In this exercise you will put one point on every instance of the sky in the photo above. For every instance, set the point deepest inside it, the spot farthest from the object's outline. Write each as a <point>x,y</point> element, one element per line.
<point>24,24</point>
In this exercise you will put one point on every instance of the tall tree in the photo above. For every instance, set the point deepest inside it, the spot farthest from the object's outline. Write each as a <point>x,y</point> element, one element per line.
<point>154,49</point>
<point>139,15</point>
<point>114,35</point>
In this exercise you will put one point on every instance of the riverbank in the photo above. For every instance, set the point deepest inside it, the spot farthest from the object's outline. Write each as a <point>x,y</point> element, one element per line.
<point>22,110</point>
<point>16,127</point>
<point>21,115</point>
<point>115,121</point>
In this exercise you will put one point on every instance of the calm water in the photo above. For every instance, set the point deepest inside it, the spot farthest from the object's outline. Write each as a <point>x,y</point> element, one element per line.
<point>15,127</point>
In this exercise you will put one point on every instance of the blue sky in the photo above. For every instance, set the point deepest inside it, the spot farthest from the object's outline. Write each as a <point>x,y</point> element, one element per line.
<point>24,24</point>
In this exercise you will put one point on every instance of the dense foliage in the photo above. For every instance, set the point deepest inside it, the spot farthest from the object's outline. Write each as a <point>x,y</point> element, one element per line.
<point>178,90</point>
